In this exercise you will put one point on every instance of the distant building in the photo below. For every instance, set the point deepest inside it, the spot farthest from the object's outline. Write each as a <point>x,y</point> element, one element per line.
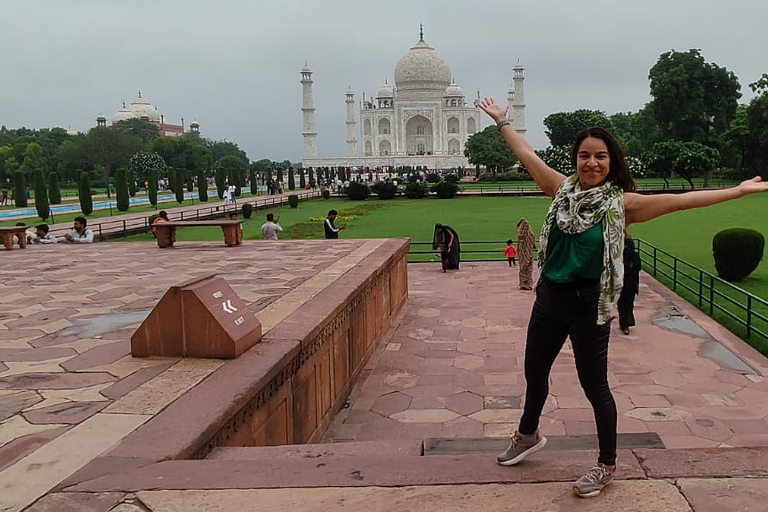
<point>423,120</point>
<point>142,109</point>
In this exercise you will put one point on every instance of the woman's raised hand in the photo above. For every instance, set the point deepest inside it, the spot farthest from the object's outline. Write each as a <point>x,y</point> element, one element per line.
<point>753,186</point>
<point>493,109</point>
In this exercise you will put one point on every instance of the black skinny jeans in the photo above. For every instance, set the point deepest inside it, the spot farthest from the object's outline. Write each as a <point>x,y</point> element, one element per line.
<point>561,311</point>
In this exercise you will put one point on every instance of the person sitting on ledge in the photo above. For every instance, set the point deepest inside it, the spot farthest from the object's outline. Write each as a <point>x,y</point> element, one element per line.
<point>43,236</point>
<point>80,233</point>
<point>161,217</point>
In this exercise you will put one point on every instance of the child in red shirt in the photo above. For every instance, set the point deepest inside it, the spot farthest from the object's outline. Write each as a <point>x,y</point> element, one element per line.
<point>510,252</point>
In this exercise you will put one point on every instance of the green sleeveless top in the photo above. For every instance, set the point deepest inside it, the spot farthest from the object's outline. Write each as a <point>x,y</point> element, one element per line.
<point>575,256</point>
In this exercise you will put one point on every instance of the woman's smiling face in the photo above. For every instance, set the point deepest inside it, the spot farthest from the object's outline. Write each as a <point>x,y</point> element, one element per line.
<point>593,162</point>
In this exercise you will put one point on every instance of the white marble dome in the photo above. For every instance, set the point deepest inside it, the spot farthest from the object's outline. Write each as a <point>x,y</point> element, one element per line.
<point>141,107</point>
<point>123,115</point>
<point>422,69</point>
<point>453,90</point>
<point>386,91</point>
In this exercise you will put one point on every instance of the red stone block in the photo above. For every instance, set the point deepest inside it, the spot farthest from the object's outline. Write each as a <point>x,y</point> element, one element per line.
<point>199,318</point>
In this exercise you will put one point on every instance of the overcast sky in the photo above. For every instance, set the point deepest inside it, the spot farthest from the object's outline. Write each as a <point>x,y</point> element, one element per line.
<point>233,65</point>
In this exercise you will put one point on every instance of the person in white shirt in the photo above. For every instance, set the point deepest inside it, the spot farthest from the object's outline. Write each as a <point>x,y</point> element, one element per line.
<point>232,197</point>
<point>271,228</point>
<point>80,233</point>
<point>43,236</point>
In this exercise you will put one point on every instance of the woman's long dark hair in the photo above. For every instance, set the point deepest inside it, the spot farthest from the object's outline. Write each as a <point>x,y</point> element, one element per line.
<point>619,173</point>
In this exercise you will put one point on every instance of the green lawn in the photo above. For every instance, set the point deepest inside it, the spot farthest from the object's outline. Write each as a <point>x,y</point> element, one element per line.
<point>687,235</point>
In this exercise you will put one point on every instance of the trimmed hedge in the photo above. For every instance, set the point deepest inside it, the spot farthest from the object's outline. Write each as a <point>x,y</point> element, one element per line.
<point>384,189</point>
<point>737,252</point>
<point>415,190</point>
<point>357,191</point>
<point>293,201</point>
<point>247,210</point>
<point>445,190</point>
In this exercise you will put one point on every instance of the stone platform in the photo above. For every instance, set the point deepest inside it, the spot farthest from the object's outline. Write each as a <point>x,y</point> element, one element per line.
<point>450,369</point>
<point>69,389</point>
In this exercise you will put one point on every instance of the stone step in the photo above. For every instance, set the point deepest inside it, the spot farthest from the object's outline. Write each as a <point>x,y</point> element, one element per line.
<point>459,445</point>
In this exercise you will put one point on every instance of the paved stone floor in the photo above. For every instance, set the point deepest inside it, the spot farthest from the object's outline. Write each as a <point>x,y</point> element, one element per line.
<point>69,389</point>
<point>453,368</point>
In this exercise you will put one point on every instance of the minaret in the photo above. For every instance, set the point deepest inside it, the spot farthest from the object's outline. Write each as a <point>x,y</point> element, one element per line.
<point>351,124</point>
<point>308,108</point>
<point>518,105</point>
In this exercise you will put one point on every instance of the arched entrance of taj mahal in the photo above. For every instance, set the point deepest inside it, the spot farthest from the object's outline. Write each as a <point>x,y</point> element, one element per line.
<point>418,136</point>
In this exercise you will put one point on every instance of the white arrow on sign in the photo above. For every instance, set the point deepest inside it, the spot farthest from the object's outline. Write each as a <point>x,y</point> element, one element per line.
<point>228,307</point>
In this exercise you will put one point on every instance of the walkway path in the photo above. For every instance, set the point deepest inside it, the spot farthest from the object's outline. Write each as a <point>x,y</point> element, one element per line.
<point>454,368</point>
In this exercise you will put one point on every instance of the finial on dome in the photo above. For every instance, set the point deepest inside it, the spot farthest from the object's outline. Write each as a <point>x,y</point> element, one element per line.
<point>123,103</point>
<point>421,32</point>
<point>139,93</point>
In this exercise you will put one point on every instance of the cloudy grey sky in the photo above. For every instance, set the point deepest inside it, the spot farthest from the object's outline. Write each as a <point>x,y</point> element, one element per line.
<point>233,65</point>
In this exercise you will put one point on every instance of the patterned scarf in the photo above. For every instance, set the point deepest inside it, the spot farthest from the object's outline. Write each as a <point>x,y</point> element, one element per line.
<point>575,211</point>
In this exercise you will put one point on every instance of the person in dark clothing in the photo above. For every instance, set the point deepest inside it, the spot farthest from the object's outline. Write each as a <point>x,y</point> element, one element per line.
<point>447,240</point>
<point>331,231</point>
<point>626,303</point>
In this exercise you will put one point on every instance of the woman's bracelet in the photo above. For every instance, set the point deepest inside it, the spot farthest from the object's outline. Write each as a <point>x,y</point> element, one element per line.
<point>502,124</point>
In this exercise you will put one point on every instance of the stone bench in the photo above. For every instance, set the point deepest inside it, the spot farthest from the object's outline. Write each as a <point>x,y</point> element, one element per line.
<point>166,231</point>
<point>9,232</point>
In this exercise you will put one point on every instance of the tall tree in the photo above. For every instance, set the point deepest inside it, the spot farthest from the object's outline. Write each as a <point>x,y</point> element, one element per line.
<point>153,176</point>
<point>146,132</point>
<point>42,205</point>
<point>110,147</point>
<point>121,189</point>
<point>291,180</point>
<point>563,127</point>
<point>54,190</point>
<point>233,168</point>
<point>84,193</point>
<point>488,148</point>
<point>19,190</point>
<point>693,100</point>
<point>686,159</point>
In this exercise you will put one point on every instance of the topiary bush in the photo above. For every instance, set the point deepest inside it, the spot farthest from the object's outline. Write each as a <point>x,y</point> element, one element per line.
<point>384,189</point>
<point>445,190</point>
<point>415,190</point>
<point>326,193</point>
<point>450,178</point>
<point>433,177</point>
<point>737,252</point>
<point>248,210</point>
<point>357,191</point>
<point>293,201</point>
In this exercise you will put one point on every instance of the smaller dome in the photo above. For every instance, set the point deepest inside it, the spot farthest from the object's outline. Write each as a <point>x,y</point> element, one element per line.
<point>194,123</point>
<point>123,115</point>
<point>453,90</point>
<point>141,107</point>
<point>386,91</point>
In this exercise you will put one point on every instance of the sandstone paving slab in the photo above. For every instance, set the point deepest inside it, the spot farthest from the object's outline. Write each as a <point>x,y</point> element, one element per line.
<point>27,367</point>
<point>54,380</point>
<point>13,403</point>
<point>353,471</point>
<point>30,354</point>
<point>154,395</point>
<point>31,477</point>
<point>24,445</point>
<point>17,426</point>
<point>655,496</point>
<point>77,502</point>
<point>60,396</point>
<point>725,495</point>
<point>703,463</point>
<point>70,413</point>
<point>101,355</point>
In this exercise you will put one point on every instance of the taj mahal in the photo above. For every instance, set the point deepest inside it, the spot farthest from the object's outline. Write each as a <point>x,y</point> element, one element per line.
<point>421,120</point>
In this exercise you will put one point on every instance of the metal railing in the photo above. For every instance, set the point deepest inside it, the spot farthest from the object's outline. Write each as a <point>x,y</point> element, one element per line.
<point>742,312</point>
<point>111,227</point>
